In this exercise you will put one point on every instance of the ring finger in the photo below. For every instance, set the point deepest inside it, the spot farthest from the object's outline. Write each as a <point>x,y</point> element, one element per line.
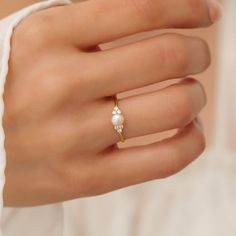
<point>169,108</point>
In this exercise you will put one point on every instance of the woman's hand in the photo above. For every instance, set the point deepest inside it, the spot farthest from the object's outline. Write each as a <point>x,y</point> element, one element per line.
<point>60,142</point>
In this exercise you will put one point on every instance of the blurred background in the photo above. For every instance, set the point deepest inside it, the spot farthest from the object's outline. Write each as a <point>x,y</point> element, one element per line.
<point>199,201</point>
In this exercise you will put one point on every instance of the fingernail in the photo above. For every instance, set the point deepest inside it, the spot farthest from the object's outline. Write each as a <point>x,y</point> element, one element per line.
<point>198,120</point>
<point>215,10</point>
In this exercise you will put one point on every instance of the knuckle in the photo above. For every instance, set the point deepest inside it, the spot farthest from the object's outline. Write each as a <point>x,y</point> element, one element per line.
<point>144,9</point>
<point>174,51</point>
<point>35,30</point>
<point>178,51</point>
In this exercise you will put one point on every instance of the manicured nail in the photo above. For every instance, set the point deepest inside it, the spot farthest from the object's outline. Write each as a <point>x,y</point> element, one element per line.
<point>215,10</point>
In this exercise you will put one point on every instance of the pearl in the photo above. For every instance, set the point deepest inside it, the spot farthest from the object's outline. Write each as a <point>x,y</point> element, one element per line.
<point>117,119</point>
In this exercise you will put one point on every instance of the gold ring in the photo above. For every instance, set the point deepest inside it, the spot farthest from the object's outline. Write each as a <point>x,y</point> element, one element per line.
<point>118,120</point>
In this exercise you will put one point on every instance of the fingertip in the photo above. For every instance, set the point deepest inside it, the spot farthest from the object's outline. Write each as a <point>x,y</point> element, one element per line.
<point>216,10</point>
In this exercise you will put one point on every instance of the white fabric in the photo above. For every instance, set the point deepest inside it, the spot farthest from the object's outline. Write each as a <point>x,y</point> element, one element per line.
<point>7,26</point>
<point>200,201</point>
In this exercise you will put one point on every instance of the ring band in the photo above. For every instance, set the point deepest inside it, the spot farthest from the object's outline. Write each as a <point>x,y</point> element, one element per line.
<point>118,120</point>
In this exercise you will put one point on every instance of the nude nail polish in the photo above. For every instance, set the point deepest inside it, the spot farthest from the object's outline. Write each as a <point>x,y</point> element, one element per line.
<point>215,10</point>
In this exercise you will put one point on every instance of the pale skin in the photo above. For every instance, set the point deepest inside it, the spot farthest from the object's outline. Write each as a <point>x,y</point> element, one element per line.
<point>59,93</point>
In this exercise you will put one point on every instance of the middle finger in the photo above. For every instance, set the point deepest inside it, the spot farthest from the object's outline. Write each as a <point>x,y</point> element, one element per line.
<point>168,56</point>
<point>170,108</point>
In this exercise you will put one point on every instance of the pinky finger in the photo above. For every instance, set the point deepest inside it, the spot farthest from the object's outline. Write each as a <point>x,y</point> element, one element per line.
<point>130,166</point>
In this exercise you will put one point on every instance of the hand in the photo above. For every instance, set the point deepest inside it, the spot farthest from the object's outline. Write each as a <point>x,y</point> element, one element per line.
<point>60,143</point>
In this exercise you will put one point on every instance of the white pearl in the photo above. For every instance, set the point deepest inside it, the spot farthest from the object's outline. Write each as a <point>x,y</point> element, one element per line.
<point>117,119</point>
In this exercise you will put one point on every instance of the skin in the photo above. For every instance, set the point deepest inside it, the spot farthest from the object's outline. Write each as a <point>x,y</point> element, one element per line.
<point>59,98</point>
<point>211,37</point>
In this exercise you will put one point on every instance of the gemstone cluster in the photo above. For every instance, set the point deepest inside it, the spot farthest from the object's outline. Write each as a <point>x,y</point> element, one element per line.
<point>117,119</point>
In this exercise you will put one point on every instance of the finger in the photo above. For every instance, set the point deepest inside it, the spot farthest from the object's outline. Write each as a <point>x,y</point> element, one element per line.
<point>100,21</point>
<point>169,108</point>
<point>135,165</point>
<point>147,62</point>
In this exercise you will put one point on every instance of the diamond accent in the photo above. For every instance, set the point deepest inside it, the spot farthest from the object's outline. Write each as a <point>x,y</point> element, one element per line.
<point>116,111</point>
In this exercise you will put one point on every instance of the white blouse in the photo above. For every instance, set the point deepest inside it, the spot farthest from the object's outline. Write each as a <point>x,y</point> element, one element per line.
<point>199,201</point>
<point>7,26</point>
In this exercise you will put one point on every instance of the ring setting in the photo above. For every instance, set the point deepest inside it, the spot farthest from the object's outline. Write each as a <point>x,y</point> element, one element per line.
<point>118,120</point>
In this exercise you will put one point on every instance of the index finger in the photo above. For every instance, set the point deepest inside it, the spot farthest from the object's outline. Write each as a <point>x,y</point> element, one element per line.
<point>99,21</point>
